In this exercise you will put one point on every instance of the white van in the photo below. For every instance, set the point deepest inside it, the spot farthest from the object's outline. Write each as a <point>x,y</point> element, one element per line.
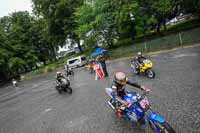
<point>77,61</point>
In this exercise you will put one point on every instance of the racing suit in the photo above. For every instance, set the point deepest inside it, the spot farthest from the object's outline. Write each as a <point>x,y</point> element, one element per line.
<point>58,79</point>
<point>139,61</point>
<point>120,89</point>
<point>120,92</point>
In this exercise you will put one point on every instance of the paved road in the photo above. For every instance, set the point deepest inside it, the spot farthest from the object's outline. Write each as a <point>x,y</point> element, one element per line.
<point>35,106</point>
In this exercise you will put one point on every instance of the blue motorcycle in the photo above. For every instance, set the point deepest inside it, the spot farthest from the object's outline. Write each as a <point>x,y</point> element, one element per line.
<point>138,109</point>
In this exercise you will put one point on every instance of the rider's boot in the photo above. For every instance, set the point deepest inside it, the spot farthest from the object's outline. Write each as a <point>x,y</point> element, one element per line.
<point>119,113</point>
<point>142,121</point>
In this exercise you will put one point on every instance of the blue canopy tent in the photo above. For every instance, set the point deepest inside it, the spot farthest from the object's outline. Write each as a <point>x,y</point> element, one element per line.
<point>99,51</point>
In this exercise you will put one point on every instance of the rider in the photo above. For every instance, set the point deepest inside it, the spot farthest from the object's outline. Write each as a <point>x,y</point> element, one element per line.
<point>119,84</point>
<point>67,70</point>
<point>139,59</point>
<point>91,64</point>
<point>59,76</point>
<point>66,67</point>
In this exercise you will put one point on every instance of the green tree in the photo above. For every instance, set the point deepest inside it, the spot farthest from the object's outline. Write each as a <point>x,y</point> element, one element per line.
<point>84,16</point>
<point>59,16</point>
<point>16,65</point>
<point>18,51</point>
<point>190,6</point>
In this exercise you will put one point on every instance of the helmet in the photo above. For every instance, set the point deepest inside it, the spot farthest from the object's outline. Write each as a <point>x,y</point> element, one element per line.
<point>139,53</point>
<point>120,78</point>
<point>58,73</point>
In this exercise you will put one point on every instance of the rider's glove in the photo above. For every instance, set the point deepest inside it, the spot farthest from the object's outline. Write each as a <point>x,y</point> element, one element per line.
<point>145,89</point>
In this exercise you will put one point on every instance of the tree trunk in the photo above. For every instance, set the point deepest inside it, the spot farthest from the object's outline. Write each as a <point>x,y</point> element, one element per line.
<point>53,52</point>
<point>44,62</point>
<point>110,43</point>
<point>3,77</point>
<point>165,27</point>
<point>164,24</point>
<point>158,27</point>
<point>26,68</point>
<point>79,46</point>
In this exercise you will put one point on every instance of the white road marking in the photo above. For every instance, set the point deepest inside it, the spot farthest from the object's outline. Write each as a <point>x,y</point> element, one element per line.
<point>47,110</point>
<point>77,121</point>
<point>38,117</point>
<point>35,85</point>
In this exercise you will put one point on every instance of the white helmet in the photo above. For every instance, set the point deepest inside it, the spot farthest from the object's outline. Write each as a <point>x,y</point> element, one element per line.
<point>139,53</point>
<point>58,73</point>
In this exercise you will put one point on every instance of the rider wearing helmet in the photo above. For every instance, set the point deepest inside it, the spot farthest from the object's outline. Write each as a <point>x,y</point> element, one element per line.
<point>67,70</point>
<point>139,59</point>
<point>66,67</point>
<point>119,85</point>
<point>59,76</point>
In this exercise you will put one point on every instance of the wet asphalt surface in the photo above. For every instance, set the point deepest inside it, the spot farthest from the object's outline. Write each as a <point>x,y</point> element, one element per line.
<point>36,107</point>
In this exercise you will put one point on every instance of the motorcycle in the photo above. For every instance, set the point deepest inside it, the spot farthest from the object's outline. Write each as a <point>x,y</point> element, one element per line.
<point>63,86</point>
<point>137,109</point>
<point>91,66</point>
<point>69,72</point>
<point>146,68</point>
<point>14,82</point>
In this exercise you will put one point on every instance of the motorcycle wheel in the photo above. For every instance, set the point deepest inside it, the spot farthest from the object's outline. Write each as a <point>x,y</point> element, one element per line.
<point>136,72</point>
<point>58,89</point>
<point>150,73</point>
<point>72,73</point>
<point>69,90</point>
<point>164,127</point>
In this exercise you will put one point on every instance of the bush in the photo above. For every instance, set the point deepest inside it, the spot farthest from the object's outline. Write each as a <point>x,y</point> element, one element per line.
<point>49,69</point>
<point>38,71</point>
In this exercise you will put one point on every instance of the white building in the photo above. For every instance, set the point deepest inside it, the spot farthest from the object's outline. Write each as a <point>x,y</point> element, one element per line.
<point>68,47</point>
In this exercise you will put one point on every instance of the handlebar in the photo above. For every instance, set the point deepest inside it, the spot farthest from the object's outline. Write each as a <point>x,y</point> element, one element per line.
<point>143,94</point>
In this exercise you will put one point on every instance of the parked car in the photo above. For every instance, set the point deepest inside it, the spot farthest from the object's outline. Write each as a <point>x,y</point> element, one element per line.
<point>68,53</point>
<point>77,61</point>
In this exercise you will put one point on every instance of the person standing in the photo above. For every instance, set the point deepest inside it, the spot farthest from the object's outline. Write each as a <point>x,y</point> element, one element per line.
<point>102,60</point>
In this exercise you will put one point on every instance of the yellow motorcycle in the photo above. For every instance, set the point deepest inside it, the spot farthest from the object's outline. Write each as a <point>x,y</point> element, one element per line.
<point>145,68</point>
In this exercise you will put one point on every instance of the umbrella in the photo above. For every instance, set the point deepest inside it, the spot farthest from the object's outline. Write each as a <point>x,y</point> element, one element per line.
<point>99,51</point>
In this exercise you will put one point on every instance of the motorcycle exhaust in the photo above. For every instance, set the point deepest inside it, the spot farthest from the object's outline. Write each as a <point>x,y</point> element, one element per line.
<point>112,107</point>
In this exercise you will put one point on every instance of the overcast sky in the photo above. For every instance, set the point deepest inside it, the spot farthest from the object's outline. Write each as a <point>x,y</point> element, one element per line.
<point>9,6</point>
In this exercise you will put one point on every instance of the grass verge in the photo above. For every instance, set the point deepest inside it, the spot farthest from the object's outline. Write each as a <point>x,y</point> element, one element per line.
<point>162,43</point>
